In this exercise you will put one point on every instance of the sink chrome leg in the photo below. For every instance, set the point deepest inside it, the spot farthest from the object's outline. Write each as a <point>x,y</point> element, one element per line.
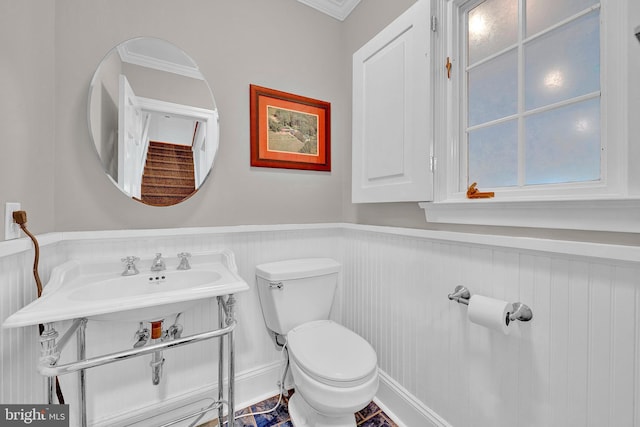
<point>221,324</point>
<point>82,385</point>
<point>231,380</point>
<point>51,385</point>
<point>226,316</point>
<point>231,395</point>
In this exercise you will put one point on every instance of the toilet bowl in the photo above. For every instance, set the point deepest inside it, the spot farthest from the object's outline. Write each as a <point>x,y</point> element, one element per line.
<point>334,370</point>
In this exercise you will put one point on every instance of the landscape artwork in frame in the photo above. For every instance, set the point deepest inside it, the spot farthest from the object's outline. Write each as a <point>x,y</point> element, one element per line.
<point>289,131</point>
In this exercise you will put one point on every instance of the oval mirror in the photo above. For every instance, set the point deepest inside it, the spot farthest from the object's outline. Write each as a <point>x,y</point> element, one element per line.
<point>153,120</point>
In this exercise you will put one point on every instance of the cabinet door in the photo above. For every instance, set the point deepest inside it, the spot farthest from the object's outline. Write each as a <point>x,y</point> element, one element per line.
<point>392,115</point>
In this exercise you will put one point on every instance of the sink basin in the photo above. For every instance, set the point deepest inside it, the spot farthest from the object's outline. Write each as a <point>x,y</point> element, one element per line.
<point>96,290</point>
<point>144,285</point>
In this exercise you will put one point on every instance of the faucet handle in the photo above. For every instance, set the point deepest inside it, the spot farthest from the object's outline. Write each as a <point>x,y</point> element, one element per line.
<point>141,336</point>
<point>184,261</point>
<point>130,267</point>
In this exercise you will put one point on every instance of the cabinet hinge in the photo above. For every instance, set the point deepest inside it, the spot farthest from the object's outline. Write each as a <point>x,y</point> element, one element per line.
<point>434,23</point>
<point>432,163</point>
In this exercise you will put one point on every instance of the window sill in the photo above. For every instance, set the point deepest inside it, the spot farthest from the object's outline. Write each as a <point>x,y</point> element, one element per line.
<point>619,215</point>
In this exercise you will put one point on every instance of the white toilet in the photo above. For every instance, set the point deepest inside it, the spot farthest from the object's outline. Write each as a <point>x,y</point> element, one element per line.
<point>335,370</point>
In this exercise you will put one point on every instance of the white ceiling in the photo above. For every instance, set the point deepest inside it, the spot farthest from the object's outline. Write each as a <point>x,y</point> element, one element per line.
<point>338,9</point>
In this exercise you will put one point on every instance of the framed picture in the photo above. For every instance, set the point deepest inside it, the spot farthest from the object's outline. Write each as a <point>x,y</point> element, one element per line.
<point>289,131</point>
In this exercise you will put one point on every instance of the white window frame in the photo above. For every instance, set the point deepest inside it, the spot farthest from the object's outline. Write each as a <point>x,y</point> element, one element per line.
<point>611,204</point>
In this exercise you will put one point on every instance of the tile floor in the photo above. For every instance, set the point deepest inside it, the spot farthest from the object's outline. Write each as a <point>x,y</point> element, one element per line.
<point>371,416</point>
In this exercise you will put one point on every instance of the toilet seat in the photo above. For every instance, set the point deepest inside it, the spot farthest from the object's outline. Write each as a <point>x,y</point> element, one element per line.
<point>332,354</point>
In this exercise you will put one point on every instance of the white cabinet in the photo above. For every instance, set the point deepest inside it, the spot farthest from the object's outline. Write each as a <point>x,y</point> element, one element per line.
<point>392,113</point>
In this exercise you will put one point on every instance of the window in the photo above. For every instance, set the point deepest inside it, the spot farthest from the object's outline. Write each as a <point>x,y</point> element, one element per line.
<point>535,111</point>
<point>532,92</point>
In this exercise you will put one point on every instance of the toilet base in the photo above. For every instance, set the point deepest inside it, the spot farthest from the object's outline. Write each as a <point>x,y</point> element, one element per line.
<point>303,415</point>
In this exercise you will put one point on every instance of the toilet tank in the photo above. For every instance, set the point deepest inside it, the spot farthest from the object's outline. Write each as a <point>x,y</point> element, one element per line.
<point>296,291</point>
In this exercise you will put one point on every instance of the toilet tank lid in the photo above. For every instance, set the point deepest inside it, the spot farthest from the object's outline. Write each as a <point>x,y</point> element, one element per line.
<point>297,268</point>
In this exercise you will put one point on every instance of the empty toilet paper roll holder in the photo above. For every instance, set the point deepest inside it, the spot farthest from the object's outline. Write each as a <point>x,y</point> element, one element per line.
<point>520,311</point>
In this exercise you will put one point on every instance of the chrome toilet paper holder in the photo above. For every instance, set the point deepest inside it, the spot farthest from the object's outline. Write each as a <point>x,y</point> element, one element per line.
<point>460,295</point>
<point>520,311</point>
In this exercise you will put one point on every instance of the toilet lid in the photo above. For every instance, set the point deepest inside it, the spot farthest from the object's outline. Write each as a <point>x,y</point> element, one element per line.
<point>331,352</point>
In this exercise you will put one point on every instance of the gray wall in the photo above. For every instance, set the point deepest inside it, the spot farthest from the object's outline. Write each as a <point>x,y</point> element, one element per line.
<point>27,113</point>
<point>50,51</point>
<point>280,44</point>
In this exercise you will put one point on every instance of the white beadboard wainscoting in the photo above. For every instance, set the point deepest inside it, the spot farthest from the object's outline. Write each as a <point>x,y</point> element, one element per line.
<point>577,363</point>
<point>19,348</point>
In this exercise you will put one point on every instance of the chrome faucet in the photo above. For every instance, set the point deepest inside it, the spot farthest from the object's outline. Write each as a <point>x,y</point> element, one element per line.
<point>158,263</point>
<point>184,261</point>
<point>130,267</point>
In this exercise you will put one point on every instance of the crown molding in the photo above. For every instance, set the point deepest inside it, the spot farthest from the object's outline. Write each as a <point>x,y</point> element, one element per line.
<point>338,9</point>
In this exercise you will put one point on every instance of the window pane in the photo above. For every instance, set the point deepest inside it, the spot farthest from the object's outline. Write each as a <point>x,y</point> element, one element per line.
<point>542,14</point>
<point>564,63</point>
<point>493,155</point>
<point>492,27</point>
<point>493,89</point>
<point>563,145</point>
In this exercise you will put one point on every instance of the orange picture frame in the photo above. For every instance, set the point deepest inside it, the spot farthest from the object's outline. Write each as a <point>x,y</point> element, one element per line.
<point>289,131</point>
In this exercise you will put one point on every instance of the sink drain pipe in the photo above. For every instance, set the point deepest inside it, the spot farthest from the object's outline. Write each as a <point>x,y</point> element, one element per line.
<point>156,358</point>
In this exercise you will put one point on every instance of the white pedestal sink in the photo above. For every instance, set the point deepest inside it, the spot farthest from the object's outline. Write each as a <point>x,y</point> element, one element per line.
<point>96,290</point>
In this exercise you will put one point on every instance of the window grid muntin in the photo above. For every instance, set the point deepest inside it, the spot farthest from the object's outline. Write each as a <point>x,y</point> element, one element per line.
<point>543,109</point>
<point>463,45</point>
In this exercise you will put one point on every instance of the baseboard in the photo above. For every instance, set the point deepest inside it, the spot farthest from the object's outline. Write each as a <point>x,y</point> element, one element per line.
<point>252,386</point>
<point>403,407</point>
